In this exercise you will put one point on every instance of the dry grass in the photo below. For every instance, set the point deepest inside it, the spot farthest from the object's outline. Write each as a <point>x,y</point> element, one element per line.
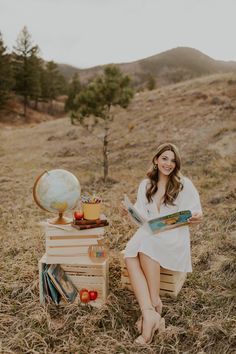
<point>202,318</point>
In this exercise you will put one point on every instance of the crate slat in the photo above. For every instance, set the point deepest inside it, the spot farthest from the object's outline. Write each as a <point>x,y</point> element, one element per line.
<point>67,251</point>
<point>85,272</point>
<point>60,259</point>
<point>168,278</point>
<point>83,279</point>
<point>71,241</point>
<point>68,230</point>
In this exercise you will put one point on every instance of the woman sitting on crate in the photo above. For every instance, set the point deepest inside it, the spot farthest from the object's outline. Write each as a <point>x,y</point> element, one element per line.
<point>164,192</point>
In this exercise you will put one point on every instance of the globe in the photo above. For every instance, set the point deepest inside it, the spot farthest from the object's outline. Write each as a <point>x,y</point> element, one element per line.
<point>57,191</point>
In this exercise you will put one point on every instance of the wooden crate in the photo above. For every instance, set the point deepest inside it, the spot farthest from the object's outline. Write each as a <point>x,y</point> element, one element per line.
<point>84,274</point>
<point>171,282</point>
<point>65,244</point>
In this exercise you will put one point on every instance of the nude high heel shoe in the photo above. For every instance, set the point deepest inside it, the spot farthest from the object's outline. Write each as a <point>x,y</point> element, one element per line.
<point>158,323</point>
<point>158,307</point>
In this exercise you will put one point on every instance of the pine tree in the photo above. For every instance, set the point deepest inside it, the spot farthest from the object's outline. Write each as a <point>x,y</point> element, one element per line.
<point>73,91</point>
<point>53,83</point>
<point>36,64</point>
<point>97,99</point>
<point>27,67</point>
<point>6,77</point>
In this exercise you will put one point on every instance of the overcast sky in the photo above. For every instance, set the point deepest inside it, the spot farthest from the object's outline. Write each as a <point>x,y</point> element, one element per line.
<point>86,33</point>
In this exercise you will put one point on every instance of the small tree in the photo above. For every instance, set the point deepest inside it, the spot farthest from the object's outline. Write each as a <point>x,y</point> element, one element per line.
<point>36,89</point>
<point>27,67</point>
<point>52,83</point>
<point>73,90</point>
<point>6,78</point>
<point>104,92</point>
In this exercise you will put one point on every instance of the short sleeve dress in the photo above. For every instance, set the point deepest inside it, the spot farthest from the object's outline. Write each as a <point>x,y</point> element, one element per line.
<point>170,248</point>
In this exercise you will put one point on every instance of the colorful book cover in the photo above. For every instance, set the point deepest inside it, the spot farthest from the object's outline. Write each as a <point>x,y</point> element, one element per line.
<point>170,221</point>
<point>46,289</point>
<point>54,293</point>
<point>160,224</point>
<point>62,283</point>
<point>49,290</point>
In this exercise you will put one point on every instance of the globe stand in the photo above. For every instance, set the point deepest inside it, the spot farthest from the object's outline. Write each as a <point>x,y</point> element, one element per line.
<point>60,220</point>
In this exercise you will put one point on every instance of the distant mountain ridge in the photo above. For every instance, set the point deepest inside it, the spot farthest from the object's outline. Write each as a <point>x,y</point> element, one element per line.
<point>174,65</point>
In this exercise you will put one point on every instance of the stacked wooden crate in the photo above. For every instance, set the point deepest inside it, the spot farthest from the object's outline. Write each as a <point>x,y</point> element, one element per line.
<point>69,247</point>
<point>171,282</point>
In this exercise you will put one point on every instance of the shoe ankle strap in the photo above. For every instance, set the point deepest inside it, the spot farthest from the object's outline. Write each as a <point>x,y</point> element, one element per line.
<point>158,302</point>
<point>147,308</point>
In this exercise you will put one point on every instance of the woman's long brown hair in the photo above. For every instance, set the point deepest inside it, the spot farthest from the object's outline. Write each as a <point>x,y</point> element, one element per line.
<point>174,185</point>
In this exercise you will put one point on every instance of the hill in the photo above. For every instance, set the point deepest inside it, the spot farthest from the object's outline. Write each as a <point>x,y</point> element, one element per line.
<point>197,115</point>
<point>171,66</point>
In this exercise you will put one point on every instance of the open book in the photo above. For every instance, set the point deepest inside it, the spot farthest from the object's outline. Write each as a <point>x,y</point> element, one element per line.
<point>160,224</point>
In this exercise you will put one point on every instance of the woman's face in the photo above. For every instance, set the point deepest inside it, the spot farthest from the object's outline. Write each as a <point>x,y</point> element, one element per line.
<point>166,162</point>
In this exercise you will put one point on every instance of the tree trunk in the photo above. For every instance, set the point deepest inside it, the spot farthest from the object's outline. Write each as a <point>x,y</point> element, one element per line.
<point>105,155</point>
<point>36,103</point>
<point>25,105</point>
<point>50,108</point>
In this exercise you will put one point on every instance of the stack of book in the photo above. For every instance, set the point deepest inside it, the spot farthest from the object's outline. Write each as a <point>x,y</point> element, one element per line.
<point>89,224</point>
<point>70,266</point>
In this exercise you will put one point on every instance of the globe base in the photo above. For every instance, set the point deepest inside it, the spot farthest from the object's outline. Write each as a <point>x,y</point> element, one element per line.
<point>60,220</point>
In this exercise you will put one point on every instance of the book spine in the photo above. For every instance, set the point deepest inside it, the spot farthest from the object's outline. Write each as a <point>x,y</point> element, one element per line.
<point>89,222</point>
<point>84,227</point>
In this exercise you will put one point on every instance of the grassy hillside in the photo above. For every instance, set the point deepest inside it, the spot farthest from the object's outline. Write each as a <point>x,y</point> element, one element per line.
<point>171,66</point>
<point>199,116</point>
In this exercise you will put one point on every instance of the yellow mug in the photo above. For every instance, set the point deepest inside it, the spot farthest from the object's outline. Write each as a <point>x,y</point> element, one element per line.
<point>91,211</point>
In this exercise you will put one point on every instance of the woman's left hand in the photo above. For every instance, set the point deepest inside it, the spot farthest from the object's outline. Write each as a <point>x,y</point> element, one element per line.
<point>196,218</point>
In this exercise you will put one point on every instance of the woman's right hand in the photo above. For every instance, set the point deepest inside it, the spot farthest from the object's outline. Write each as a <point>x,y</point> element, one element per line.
<point>123,210</point>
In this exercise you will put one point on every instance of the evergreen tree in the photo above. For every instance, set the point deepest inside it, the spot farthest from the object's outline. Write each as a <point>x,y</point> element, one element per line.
<point>73,90</point>
<point>97,99</point>
<point>36,91</point>
<point>6,77</point>
<point>52,83</point>
<point>27,67</point>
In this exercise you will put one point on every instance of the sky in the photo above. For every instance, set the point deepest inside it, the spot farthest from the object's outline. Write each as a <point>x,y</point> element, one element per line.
<point>86,33</point>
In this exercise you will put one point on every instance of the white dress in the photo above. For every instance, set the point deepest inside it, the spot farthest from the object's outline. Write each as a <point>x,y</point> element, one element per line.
<point>170,248</point>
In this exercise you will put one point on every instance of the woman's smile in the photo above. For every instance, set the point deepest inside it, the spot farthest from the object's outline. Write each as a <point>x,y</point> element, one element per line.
<point>166,162</point>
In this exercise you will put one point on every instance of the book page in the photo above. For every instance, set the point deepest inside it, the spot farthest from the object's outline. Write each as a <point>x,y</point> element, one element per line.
<point>133,212</point>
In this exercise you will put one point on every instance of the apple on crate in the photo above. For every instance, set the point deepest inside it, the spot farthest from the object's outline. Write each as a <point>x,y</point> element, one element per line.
<point>78,215</point>
<point>84,295</point>
<point>93,294</point>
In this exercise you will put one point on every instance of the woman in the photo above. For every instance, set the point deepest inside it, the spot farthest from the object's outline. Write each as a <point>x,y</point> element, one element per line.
<point>165,191</point>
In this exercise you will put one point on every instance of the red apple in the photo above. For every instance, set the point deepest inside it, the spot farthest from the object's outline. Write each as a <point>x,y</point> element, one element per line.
<point>84,295</point>
<point>93,294</point>
<point>78,215</point>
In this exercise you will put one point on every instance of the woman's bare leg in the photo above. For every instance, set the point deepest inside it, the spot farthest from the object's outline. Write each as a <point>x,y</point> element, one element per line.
<point>151,270</point>
<point>141,290</point>
<point>138,282</point>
